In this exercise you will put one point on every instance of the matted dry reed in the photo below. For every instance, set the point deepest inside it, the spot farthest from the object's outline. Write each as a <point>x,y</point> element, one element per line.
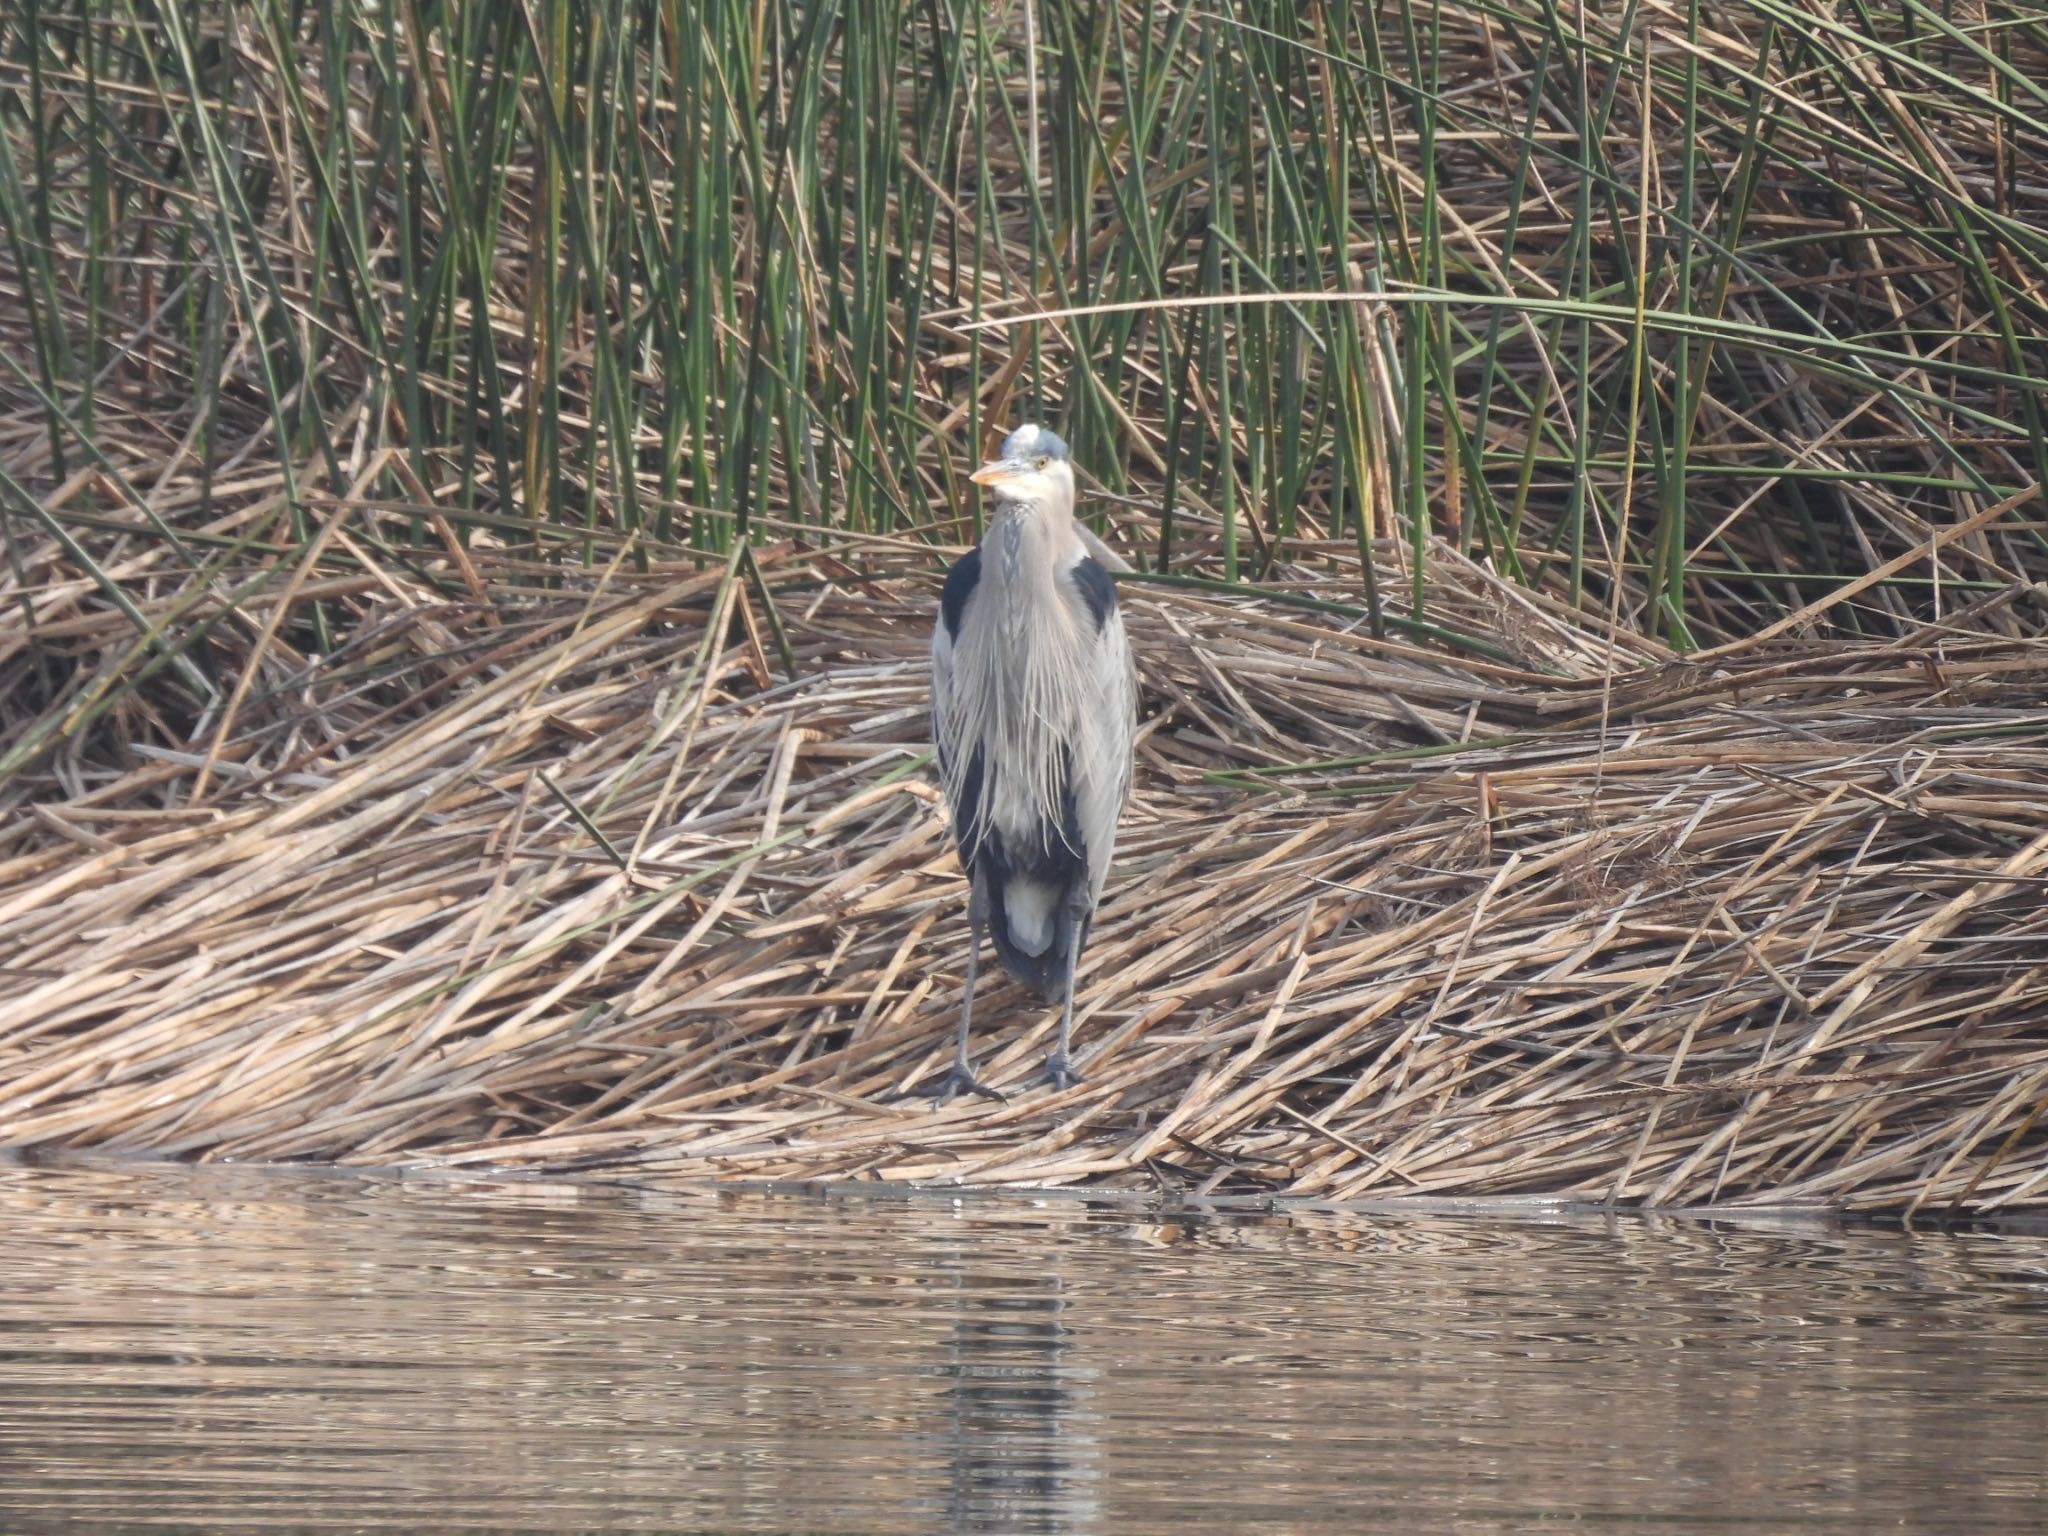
<point>649,875</point>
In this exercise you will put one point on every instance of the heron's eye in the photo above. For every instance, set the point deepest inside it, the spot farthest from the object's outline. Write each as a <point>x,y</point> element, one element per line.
<point>1042,461</point>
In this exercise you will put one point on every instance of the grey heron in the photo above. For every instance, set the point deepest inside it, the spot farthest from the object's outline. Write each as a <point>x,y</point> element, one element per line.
<point>1033,717</point>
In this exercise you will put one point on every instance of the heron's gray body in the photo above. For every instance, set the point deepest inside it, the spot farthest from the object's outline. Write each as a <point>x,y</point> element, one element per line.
<point>1033,715</point>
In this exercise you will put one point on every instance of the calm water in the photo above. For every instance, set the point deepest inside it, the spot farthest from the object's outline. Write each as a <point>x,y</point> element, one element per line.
<point>282,1352</point>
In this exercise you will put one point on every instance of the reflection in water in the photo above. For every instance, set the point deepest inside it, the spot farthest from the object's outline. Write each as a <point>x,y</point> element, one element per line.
<point>194,1350</point>
<point>1019,1440</point>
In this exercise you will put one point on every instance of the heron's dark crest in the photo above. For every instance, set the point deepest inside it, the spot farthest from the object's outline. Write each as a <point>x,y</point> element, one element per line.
<point>1032,440</point>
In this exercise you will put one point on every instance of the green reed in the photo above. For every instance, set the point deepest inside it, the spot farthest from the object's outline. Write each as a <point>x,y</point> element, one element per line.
<point>570,272</point>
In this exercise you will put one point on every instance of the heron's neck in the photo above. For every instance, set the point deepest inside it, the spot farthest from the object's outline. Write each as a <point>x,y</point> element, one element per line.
<point>1029,541</point>
<point>1017,677</point>
<point>1035,644</point>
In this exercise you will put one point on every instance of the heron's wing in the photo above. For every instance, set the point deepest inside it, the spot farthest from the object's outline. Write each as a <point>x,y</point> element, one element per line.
<point>961,581</point>
<point>1108,723</point>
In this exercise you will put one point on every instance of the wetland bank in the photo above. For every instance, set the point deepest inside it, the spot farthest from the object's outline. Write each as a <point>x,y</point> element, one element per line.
<point>474,488</point>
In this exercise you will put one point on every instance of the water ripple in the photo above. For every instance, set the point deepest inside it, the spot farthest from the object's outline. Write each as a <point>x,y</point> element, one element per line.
<point>219,1349</point>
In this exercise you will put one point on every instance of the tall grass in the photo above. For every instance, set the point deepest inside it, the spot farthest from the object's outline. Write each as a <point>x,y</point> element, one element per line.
<point>1738,301</point>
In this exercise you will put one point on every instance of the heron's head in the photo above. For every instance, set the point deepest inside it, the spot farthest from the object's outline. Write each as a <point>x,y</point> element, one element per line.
<point>1035,470</point>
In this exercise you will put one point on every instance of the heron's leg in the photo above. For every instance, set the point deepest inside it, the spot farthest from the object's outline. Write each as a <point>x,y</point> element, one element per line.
<point>960,1078</point>
<point>1057,1066</point>
<point>977,915</point>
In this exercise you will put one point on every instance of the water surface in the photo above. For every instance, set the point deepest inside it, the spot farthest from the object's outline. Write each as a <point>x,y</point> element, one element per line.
<point>229,1350</point>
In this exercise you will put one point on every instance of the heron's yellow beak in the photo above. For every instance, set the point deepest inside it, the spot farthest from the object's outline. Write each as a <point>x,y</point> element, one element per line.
<point>1000,470</point>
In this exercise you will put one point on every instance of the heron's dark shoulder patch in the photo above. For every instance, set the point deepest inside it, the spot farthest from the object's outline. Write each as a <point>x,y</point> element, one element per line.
<point>960,585</point>
<point>1098,589</point>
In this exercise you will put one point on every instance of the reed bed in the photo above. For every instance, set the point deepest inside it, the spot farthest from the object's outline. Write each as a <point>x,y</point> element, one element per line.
<point>653,876</point>
<point>1736,299</point>
<point>472,480</point>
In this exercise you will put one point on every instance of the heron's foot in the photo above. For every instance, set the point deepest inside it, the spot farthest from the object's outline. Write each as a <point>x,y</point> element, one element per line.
<point>953,1082</point>
<point>1059,1071</point>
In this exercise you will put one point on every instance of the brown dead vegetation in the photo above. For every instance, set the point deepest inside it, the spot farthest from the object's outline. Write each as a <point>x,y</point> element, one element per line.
<point>650,874</point>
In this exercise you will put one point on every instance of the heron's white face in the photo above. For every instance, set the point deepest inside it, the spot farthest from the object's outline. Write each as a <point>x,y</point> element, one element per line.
<point>1040,479</point>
